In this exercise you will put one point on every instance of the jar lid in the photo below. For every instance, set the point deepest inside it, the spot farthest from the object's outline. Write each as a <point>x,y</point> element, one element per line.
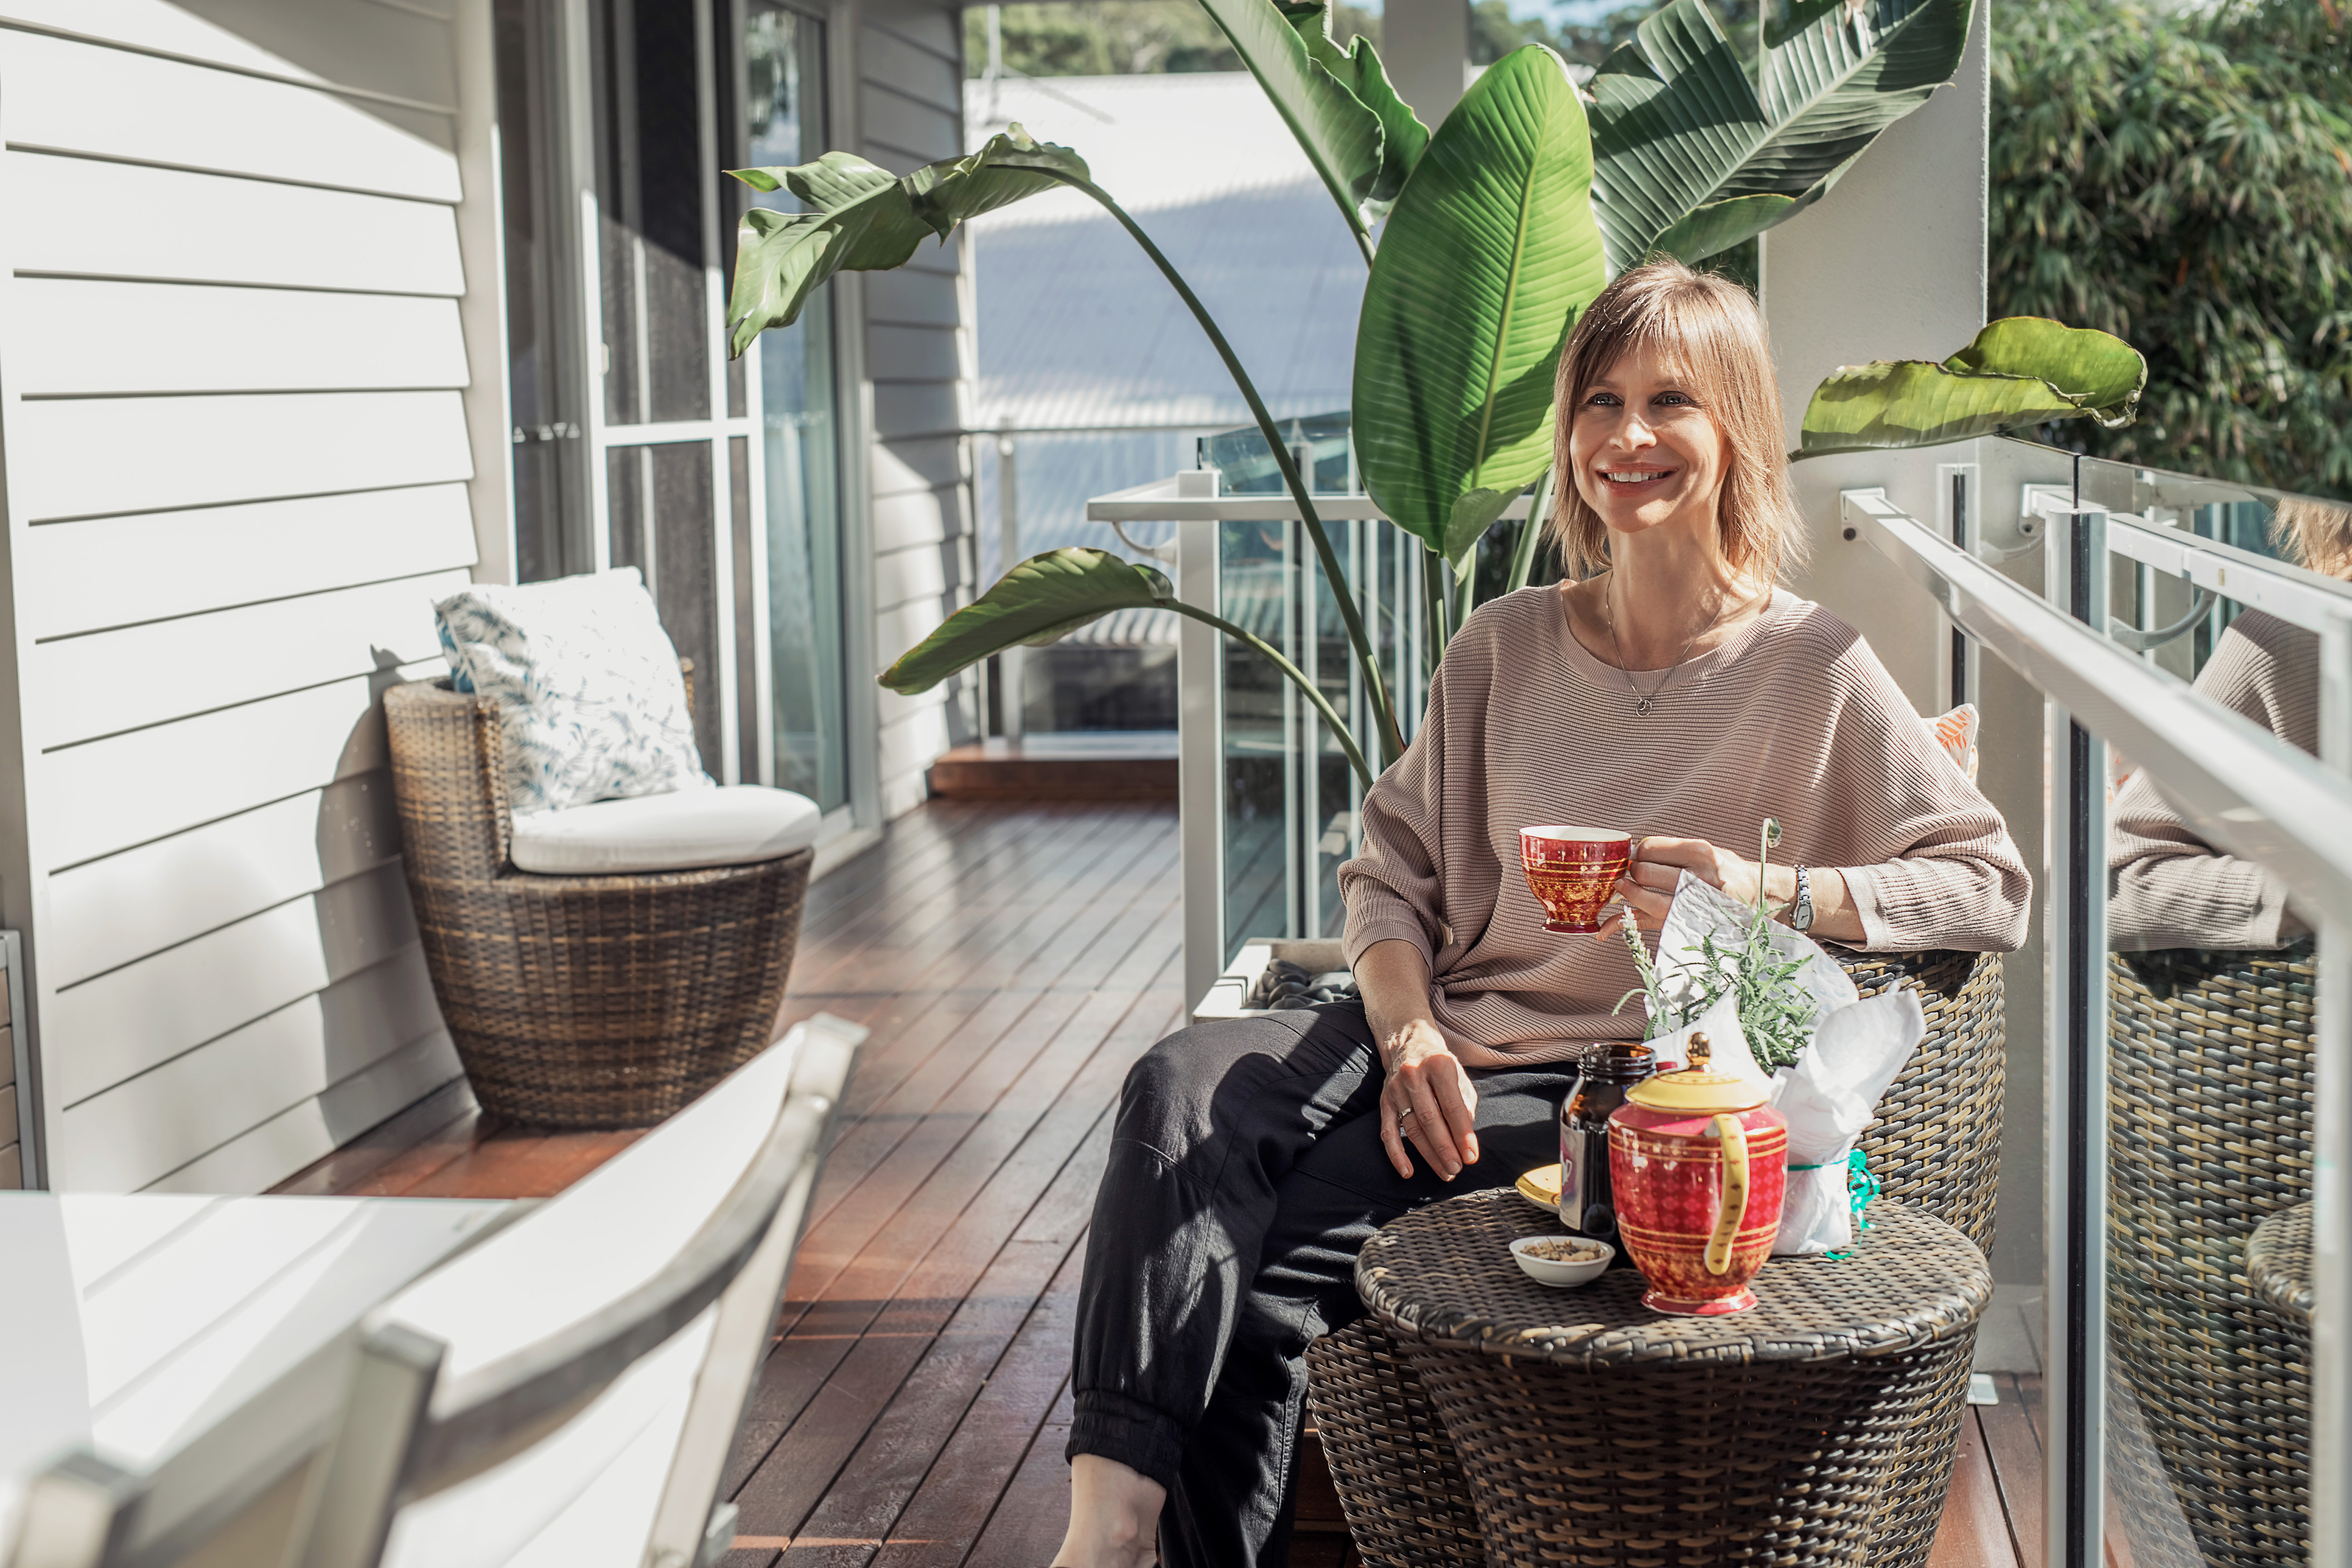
<point>1617,1061</point>
<point>1696,1089</point>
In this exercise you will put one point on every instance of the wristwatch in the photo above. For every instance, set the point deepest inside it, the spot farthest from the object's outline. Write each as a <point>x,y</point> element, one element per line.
<point>1801,912</point>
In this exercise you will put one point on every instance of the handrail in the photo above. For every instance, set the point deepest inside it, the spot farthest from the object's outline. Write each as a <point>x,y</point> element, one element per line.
<point>2293,594</point>
<point>2234,783</point>
<point>1159,500</point>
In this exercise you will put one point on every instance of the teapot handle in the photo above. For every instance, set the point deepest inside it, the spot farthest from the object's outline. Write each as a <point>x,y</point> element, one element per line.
<point>1733,1206</point>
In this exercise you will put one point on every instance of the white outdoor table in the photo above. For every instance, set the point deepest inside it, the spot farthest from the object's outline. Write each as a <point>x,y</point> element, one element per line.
<point>135,1323</point>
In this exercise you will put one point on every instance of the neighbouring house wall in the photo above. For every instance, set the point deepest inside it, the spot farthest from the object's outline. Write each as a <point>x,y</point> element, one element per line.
<point>237,457</point>
<point>919,360</point>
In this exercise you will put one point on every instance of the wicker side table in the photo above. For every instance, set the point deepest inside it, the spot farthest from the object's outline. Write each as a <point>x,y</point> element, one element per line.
<point>1593,1431</point>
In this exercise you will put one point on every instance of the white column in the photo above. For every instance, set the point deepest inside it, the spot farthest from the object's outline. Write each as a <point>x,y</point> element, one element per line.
<point>1425,45</point>
<point>1200,745</point>
<point>1889,265</point>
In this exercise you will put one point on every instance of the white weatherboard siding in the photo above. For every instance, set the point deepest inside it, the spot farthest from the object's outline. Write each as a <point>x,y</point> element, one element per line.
<point>234,402</point>
<point>918,359</point>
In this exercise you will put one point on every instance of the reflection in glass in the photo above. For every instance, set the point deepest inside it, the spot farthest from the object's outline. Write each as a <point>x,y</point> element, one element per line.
<point>783,62</point>
<point>649,179</point>
<point>2211,994</point>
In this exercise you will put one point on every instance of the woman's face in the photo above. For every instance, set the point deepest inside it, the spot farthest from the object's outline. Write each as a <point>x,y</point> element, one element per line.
<point>1645,453</point>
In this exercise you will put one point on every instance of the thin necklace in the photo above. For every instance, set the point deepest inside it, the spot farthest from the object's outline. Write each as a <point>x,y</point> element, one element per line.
<point>1643,702</point>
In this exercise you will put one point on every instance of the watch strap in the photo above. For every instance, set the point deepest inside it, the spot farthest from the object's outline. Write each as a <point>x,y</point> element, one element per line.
<point>1801,912</point>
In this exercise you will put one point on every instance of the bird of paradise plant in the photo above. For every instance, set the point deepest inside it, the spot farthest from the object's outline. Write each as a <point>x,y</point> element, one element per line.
<point>1485,240</point>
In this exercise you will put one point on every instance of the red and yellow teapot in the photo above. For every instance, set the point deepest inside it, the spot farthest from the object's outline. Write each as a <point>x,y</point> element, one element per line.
<point>1697,1163</point>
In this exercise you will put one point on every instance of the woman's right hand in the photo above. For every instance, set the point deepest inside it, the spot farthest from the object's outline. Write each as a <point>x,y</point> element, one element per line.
<point>1427,1100</point>
<point>1426,1097</point>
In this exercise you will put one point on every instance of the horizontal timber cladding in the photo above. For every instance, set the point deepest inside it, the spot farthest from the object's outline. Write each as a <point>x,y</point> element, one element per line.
<point>224,229</point>
<point>85,338</point>
<point>232,396</point>
<point>117,910</point>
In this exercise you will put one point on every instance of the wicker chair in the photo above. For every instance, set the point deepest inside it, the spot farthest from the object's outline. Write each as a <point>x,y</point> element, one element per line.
<point>2209,1153</point>
<point>1936,1145</point>
<point>601,1001</point>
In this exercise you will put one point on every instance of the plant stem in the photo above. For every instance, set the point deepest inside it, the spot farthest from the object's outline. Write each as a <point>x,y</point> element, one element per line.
<point>1391,737</point>
<point>1432,611</point>
<point>1523,554</point>
<point>1363,243</point>
<point>1465,587</point>
<point>1297,678</point>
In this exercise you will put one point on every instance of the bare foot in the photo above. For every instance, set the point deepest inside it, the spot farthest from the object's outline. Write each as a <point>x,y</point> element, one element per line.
<point>1114,1516</point>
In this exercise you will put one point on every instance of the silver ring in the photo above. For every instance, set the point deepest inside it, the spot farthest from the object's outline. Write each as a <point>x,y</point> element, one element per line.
<point>1403,1115</point>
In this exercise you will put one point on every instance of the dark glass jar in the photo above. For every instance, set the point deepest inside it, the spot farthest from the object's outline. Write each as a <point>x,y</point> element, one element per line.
<point>1604,1073</point>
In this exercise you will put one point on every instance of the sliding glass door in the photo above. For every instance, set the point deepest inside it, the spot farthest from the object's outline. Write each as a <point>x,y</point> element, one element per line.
<point>784,57</point>
<point>639,442</point>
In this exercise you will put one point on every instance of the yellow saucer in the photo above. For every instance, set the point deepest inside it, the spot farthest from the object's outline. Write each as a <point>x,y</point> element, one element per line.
<point>1540,1187</point>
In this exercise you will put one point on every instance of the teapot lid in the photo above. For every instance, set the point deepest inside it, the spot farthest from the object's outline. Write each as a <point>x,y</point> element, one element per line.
<point>1695,1088</point>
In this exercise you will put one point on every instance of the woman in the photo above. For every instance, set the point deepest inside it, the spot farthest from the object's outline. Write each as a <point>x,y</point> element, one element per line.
<point>2167,888</point>
<point>1674,693</point>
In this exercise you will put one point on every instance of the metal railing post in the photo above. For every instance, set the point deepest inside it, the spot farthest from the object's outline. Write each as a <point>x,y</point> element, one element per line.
<point>2077,583</point>
<point>1201,747</point>
<point>2330,1481</point>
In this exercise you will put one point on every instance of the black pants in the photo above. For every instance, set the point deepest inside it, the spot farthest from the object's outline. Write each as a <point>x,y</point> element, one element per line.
<point>1245,1171</point>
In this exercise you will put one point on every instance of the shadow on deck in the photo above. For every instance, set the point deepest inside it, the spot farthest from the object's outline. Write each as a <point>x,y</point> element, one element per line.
<point>1010,963</point>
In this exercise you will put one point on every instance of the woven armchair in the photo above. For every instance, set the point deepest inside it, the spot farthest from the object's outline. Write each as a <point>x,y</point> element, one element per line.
<point>1935,1146</point>
<point>2208,1155</point>
<point>601,1001</point>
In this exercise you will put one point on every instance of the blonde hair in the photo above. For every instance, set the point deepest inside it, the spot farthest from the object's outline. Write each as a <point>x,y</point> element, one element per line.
<point>2314,534</point>
<point>1708,328</point>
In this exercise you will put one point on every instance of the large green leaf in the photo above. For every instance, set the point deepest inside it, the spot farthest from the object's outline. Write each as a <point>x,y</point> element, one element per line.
<point>1692,157</point>
<point>1403,138</point>
<point>1045,597</point>
<point>862,218</point>
<point>2021,370</point>
<point>1341,136</point>
<point>1487,260</point>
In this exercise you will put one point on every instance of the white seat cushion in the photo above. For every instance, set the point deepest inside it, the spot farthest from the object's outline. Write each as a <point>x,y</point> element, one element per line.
<point>730,826</point>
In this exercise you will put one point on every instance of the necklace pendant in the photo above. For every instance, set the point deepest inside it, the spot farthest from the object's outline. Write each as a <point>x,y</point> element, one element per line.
<point>1643,707</point>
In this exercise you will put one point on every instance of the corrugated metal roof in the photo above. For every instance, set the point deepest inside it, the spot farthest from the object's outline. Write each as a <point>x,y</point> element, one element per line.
<point>1077,329</point>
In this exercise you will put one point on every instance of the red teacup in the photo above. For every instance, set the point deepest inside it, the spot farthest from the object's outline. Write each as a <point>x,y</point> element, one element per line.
<point>1573,872</point>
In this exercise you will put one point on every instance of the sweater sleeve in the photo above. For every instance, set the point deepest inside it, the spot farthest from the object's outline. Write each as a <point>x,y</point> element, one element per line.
<point>1394,888</point>
<point>1935,864</point>
<point>2165,887</point>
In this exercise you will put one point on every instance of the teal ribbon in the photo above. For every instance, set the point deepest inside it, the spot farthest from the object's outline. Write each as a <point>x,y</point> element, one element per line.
<point>1861,1186</point>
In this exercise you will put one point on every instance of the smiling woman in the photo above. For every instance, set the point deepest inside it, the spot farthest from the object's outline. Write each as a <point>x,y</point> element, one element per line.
<point>1677,693</point>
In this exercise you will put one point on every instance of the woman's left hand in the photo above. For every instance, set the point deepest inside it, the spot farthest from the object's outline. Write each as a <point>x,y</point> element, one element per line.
<point>1647,890</point>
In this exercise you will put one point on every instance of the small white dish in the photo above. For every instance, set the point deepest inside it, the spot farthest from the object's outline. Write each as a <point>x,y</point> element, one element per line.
<point>1558,1275</point>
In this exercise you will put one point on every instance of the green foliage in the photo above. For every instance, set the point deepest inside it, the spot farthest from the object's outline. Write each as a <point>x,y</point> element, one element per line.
<point>2020,370</point>
<point>1692,156</point>
<point>2182,177</point>
<point>1342,137</point>
<point>1043,599</point>
<point>1489,258</point>
<point>1495,32</point>
<point>860,218</point>
<point>1118,37</point>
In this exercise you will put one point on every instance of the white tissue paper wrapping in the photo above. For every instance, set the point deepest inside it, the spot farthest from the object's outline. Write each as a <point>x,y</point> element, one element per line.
<point>1828,1097</point>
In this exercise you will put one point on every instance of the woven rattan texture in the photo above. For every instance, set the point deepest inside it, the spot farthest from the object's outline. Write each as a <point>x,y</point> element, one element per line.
<point>2209,1084</point>
<point>1594,1431</point>
<point>2278,1266</point>
<point>1936,1145</point>
<point>1443,1275</point>
<point>1400,1480</point>
<point>1936,1141</point>
<point>577,1001</point>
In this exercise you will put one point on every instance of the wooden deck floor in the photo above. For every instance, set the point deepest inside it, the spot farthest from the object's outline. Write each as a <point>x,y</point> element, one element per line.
<point>1010,964</point>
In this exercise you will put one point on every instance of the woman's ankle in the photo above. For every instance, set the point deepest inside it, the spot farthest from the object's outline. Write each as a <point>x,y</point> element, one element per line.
<point>1114,1516</point>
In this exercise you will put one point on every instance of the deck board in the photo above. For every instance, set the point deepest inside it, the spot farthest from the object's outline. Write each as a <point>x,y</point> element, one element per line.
<point>1010,963</point>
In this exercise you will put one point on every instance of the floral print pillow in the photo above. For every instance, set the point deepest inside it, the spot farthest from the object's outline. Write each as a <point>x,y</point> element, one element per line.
<point>587,686</point>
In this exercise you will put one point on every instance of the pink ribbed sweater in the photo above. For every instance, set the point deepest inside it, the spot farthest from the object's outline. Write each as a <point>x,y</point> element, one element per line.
<point>1791,717</point>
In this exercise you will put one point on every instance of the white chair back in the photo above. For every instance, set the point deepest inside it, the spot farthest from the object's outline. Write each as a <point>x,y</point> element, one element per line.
<point>567,1390</point>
